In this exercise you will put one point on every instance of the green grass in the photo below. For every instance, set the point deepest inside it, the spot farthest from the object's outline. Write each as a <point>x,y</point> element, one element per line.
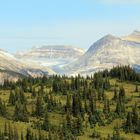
<point>56,118</point>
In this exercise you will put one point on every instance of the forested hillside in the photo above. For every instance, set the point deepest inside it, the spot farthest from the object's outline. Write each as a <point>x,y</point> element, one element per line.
<point>105,106</point>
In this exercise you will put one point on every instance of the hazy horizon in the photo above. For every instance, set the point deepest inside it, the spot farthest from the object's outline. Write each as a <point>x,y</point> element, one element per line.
<point>25,24</point>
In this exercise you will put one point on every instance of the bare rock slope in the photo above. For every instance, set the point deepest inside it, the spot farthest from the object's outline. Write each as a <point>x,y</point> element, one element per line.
<point>107,52</point>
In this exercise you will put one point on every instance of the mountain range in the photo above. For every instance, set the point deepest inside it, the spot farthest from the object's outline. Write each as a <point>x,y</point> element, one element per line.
<point>134,36</point>
<point>105,53</point>
<point>12,69</point>
<point>53,56</point>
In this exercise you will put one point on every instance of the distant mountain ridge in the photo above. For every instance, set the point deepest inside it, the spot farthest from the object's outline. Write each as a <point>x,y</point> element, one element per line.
<point>53,56</point>
<point>134,36</point>
<point>107,52</point>
<point>52,51</point>
<point>12,68</point>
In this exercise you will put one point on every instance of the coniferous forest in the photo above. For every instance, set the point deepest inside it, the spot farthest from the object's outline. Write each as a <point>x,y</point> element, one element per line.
<point>104,106</point>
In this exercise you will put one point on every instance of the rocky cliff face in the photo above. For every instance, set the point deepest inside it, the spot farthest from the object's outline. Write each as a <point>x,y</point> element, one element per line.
<point>12,68</point>
<point>107,52</point>
<point>52,56</point>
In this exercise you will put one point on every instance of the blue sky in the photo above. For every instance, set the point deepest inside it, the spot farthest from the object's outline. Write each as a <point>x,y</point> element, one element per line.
<point>28,23</point>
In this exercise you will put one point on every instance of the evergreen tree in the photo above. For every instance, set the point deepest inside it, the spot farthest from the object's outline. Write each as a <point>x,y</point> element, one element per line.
<point>16,137</point>
<point>28,134</point>
<point>129,124</point>
<point>135,115</point>
<point>137,129</point>
<point>68,104</point>
<point>95,134</point>
<point>39,106</point>
<point>136,89</point>
<point>92,119</point>
<point>12,98</point>
<point>69,120</point>
<point>22,97</point>
<point>5,130</point>
<point>92,104</point>
<point>20,113</point>
<point>3,110</point>
<point>22,137</point>
<point>76,105</point>
<point>106,108</point>
<point>116,134</point>
<point>79,127</point>
<point>86,107</point>
<point>46,124</point>
<point>120,107</point>
<point>122,94</point>
<point>10,131</point>
<point>115,95</point>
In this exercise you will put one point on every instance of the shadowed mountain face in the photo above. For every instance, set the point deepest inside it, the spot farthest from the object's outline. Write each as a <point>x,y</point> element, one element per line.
<point>107,52</point>
<point>12,68</point>
<point>52,56</point>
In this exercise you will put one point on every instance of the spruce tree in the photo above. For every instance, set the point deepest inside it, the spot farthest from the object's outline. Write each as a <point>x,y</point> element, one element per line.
<point>39,106</point>
<point>120,106</point>
<point>137,129</point>
<point>22,137</point>
<point>20,112</point>
<point>79,127</point>
<point>115,95</point>
<point>106,108</point>
<point>46,124</point>
<point>68,120</point>
<point>129,124</point>
<point>68,104</point>
<point>136,88</point>
<point>3,110</point>
<point>92,105</point>
<point>135,115</point>
<point>122,94</point>
<point>12,98</point>
<point>92,119</point>
<point>16,137</point>
<point>116,134</point>
<point>86,106</point>
<point>76,105</point>
<point>28,134</point>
